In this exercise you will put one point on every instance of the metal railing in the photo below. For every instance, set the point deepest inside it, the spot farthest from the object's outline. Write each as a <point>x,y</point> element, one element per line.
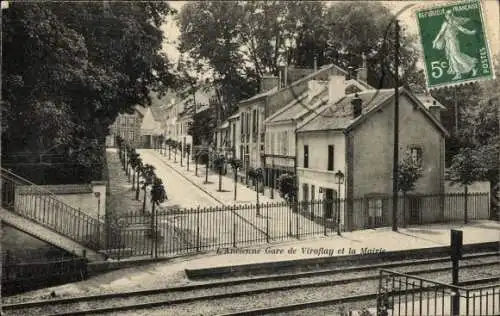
<point>404,294</point>
<point>190,230</point>
<point>33,202</point>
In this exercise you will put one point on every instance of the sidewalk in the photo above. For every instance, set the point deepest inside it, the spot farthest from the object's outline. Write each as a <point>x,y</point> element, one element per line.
<point>172,273</point>
<point>244,194</point>
<point>277,219</point>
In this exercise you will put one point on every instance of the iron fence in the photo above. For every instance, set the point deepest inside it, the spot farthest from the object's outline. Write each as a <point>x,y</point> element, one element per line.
<point>408,295</point>
<point>43,207</point>
<point>187,230</point>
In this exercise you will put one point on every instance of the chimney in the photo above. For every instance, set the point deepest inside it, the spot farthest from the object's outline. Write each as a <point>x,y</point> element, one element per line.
<point>362,73</point>
<point>313,89</point>
<point>351,73</point>
<point>357,106</point>
<point>435,110</point>
<point>336,88</point>
<point>268,82</point>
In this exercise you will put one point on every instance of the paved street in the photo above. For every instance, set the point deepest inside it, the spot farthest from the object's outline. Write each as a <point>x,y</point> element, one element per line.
<point>277,220</point>
<point>211,227</point>
<point>180,192</point>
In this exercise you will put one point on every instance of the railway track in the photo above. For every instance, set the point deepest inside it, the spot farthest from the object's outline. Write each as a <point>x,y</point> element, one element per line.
<point>182,299</point>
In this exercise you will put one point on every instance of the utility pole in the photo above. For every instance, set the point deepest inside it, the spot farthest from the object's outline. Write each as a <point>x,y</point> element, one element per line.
<point>395,188</point>
<point>455,109</point>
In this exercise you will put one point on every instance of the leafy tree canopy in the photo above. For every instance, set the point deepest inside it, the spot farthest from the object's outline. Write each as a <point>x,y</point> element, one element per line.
<point>68,71</point>
<point>243,40</point>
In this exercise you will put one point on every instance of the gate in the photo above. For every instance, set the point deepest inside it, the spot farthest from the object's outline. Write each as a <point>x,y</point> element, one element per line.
<point>402,294</point>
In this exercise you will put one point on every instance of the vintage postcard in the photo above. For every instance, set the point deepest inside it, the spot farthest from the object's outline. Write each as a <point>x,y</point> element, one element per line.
<point>455,44</point>
<point>208,158</point>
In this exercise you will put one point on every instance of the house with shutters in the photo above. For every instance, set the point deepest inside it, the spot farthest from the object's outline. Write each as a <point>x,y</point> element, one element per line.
<point>325,85</point>
<point>354,134</point>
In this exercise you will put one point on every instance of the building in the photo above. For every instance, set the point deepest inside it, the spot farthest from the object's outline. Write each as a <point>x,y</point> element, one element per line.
<point>150,130</point>
<point>324,84</point>
<point>275,92</point>
<point>128,127</point>
<point>355,135</point>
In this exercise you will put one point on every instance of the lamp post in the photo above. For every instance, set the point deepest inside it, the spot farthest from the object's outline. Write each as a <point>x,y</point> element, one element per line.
<point>339,179</point>
<point>98,196</point>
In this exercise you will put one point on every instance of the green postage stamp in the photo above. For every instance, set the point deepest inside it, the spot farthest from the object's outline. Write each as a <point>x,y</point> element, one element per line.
<point>454,44</point>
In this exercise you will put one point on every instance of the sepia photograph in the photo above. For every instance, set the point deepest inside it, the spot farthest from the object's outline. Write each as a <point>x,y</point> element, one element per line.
<point>225,158</point>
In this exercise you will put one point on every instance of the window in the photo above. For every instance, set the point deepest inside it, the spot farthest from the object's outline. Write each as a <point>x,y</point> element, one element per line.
<point>330,157</point>
<point>242,123</point>
<point>254,121</point>
<point>416,155</point>
<point>247,122</point>
<point>285,143</point>
<point>267,143</point>
<point>306,156</point>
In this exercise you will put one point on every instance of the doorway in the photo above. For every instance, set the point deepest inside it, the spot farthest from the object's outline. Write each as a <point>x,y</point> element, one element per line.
<point>329,203</point>
<point>414,210</point>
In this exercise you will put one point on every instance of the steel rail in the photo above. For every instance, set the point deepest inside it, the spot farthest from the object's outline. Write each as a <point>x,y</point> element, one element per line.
<point>104,297</point>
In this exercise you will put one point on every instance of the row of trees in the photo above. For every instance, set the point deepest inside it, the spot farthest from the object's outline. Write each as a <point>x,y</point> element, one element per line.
<point>133,165</point>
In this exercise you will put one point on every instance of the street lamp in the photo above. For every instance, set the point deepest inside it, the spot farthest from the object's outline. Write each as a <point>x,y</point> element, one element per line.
<point>339,179</point>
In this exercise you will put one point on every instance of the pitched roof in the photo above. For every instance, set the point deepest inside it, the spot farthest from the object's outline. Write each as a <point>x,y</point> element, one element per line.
<point>157,113</point>
<point>299,107</point>
<point>339,115</point>
<point>428,101</point>
<point>273,91</point>
<point>140,109</point>
<point>260,95</point>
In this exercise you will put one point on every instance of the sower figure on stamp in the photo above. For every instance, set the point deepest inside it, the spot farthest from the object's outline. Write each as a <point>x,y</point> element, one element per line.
<point>458,62</point>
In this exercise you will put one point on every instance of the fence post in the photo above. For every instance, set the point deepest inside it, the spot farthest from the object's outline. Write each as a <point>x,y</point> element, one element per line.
<point>324,219</point>
<point>156,230</point>
<point>267,222</point>
<point>198,229</point>
<point>297,219</point>
<point>234,226</point>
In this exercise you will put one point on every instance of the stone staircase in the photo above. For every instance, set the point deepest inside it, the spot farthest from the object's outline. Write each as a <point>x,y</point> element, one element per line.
<point>38,212</point>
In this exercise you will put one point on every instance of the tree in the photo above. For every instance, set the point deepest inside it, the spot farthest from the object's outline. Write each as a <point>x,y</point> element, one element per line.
<point>287,187</point>
<point>158,195</point>
<point>255,37</point>
<point>203,126</point>
<point>256,174</point>
<point>409,172</point>
<point>361,27</point>
<point>219,161</point>
<point>138,169</point>
<point>133,163</point>
<point>187,149</point>
<point>465,169</point>
<point>78,74</point>
<point>148,175</point>
<point>236,164</point>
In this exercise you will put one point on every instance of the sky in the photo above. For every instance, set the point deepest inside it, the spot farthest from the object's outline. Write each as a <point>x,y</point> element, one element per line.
<point>407,18</point>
